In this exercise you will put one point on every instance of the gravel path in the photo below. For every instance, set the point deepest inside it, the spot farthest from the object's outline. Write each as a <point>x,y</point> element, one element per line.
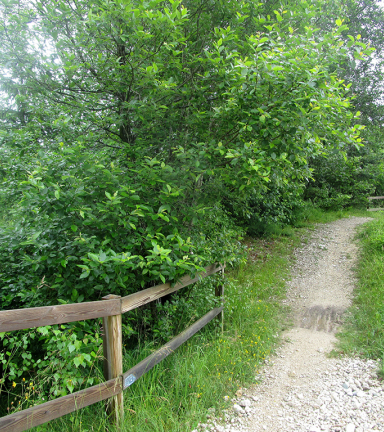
<point>302,389</point>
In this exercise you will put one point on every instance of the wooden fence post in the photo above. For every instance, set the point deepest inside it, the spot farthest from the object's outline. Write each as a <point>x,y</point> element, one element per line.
<point>219,292</point>
<point>113,360</point>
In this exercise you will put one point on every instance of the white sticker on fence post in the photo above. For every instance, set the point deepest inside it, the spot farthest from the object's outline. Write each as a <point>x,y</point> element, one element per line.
<point>129,380</point>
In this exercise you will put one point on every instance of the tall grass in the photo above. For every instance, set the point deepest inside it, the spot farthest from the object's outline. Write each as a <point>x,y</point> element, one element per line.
<point>363,333</point>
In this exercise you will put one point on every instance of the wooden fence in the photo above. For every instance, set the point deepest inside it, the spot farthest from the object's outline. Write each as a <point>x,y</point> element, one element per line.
<point>110,309</point>
<point>376,208</point>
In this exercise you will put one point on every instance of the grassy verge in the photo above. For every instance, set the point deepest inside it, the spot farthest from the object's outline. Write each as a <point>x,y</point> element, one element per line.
<point>363,333</point>
<point>176,394</point>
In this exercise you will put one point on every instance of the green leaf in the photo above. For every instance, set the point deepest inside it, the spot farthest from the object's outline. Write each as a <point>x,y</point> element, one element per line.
<point>163,208</point>
<point>93,257</point>
<point>78,361</point>
<point>74,228</point>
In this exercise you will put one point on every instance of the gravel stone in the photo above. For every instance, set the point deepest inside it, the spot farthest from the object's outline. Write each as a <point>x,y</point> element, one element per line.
<point>237,408</point>
<point>245,403</point>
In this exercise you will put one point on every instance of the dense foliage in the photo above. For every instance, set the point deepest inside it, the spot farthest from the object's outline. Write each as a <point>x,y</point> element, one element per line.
<point>129,122</point>
<point>342,182</point>
<point>140,140</point>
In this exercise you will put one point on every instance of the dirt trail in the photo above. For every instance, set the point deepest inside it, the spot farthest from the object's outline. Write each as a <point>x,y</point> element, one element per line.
<point>318,294</point>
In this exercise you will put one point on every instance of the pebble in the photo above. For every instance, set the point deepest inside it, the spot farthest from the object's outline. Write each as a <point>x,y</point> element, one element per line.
<point>237,408</point>
<point>350,427</point>
<point>328,405</point>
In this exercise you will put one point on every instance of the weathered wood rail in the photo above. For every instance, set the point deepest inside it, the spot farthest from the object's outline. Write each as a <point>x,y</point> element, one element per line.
<point>376,208</point>
<point>110,309</point>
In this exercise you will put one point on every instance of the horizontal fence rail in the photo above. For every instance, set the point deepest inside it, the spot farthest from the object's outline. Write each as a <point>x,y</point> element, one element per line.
<point>140,298</point>
<point>110,309</point>
<point>376,208</point>
<point>21,319</point>
<point>39,414</point>
<point>148,363</point>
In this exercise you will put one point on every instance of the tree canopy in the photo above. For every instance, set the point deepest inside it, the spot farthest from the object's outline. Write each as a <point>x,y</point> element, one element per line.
<point>134,128</point>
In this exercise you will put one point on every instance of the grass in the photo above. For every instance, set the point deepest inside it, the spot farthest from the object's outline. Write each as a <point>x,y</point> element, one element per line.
<point>176,395</point>
<point>363,333</point>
